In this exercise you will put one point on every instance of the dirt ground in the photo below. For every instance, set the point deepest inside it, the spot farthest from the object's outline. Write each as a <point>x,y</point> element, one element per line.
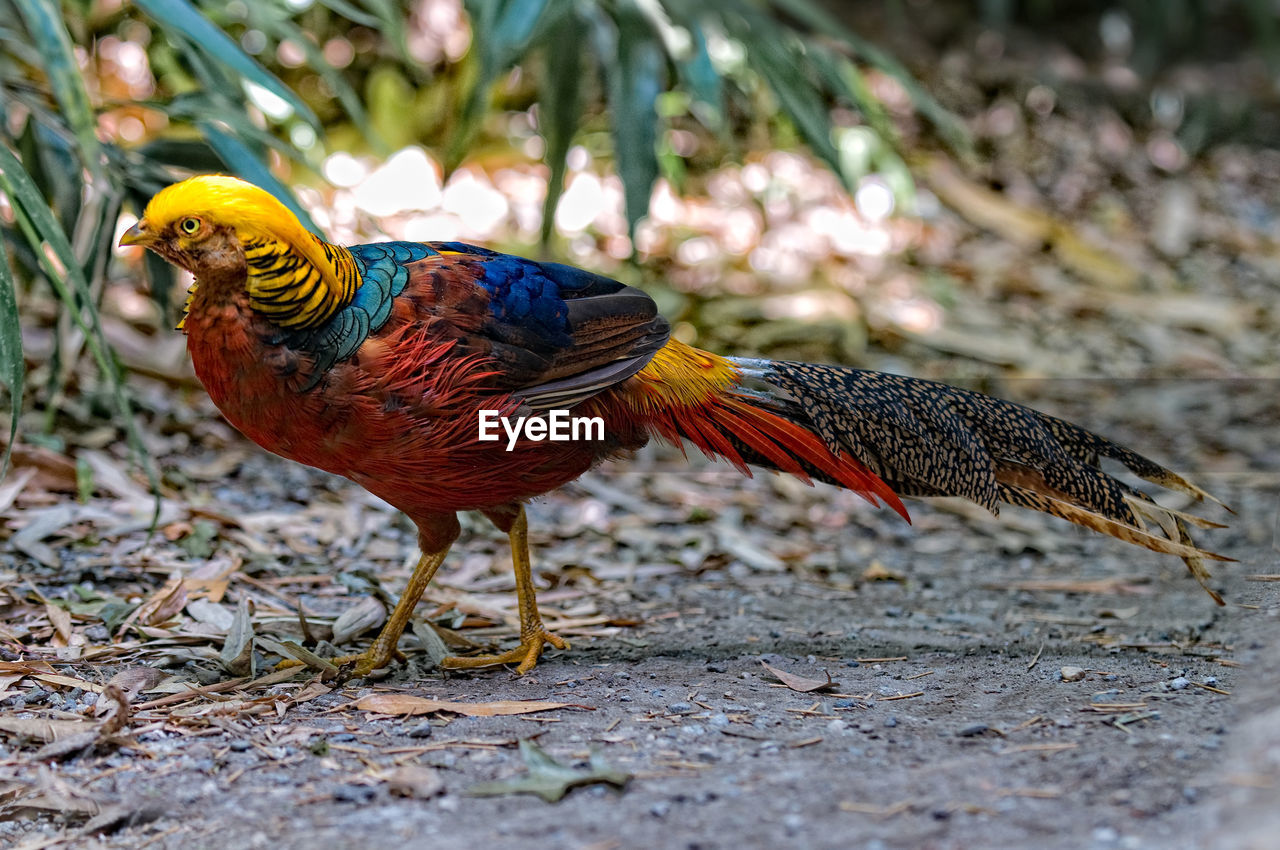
<point>949,723</point>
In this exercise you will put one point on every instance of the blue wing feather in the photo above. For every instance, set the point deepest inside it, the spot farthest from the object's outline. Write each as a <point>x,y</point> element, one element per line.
<point>527,301</point>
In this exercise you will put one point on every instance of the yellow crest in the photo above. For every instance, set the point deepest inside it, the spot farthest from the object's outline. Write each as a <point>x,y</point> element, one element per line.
<point>295,278</point>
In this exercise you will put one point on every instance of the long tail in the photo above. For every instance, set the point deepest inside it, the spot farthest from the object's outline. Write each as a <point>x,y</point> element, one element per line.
<point>928,439</point>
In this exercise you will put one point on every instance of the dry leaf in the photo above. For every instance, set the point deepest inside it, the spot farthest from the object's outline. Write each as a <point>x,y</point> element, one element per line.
<point>406,704</point>
<point>67,681</point>
<point>800,683</point>
<point>419,783</point>
<point>211,579</point>
<point>290,648</point>
<point>212,614</point>
<point>163,605</point>
<point>70,745</point>
<point>237,650</point>
<point>133,681</point>
<point>431,641</point>
<point>61,620</point>
<point>548,778</point>
<point>42,729</point>
<point>365,615</point>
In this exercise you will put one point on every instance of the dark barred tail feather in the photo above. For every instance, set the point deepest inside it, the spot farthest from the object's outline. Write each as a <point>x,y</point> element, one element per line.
<point>929,439</point>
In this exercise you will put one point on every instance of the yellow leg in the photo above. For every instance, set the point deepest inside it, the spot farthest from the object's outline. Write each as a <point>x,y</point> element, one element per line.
<point>533,635</point>
<point>436,534</point>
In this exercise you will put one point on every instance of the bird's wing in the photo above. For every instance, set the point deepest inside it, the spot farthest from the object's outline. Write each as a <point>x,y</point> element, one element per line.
<point>550,334</point>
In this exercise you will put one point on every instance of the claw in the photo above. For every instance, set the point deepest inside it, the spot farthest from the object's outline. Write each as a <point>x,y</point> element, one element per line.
<point>353,666</point>
<point>525,656</point>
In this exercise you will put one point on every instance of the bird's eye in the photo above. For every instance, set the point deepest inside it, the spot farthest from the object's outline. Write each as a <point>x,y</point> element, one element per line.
<point>189,226</point>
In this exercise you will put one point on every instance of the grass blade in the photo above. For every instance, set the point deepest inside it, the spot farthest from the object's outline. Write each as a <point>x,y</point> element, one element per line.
<point>781,65</point>
<point>634,83</point>
<point>703,81</point>
<point>502,31</point>
<point>823,22</point>
<point>41,228</point>
<point>13,368</point>
<point>559,108</point>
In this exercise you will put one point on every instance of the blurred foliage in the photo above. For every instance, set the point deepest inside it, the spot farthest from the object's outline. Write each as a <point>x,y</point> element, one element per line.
<point>1156,34</point>
<point>104,103</point>
<point>728,60</point>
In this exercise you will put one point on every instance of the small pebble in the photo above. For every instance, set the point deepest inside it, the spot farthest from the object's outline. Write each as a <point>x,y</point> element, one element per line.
<point>239,745</point>
<point>1180,684</point>
<point>891,721</point>
<point>1105,835</point>
<point>422,730</point>
<point>973,731</point>
<point>680,708</point>
<point>844,703</point>
<point>1072,674</point>
<point>718,721</point>
<point>717,667</point>
<point>660,809</point>
<point>354,793</point>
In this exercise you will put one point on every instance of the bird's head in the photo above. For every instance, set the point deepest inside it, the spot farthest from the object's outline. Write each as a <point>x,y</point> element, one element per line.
<point>236,235</point>
<point>196,222</point>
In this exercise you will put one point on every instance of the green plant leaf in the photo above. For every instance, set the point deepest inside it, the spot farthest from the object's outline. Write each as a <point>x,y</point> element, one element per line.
<point>703,81</point>
<point>181,19</point>
<point>634,82</point>
<point>823,22</point>
<point>12,367</point>
<point>560,108</point>
<point>502,31</point>
<point>44,23</point>
<point>242,161</point>
<point>780,63</point>
<point>40,227</point>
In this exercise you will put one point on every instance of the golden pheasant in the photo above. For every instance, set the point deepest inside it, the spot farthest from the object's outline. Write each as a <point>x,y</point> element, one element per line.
<point>384,362</point>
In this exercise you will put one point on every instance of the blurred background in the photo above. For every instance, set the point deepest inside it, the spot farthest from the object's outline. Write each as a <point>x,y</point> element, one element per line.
<point>981,192</point>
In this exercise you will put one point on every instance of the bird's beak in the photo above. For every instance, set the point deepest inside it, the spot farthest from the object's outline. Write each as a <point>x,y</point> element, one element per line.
<point>136,235</point>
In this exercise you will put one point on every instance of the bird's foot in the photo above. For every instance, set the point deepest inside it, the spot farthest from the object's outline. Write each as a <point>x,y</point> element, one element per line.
<point>531,646</point>
<point>354,666</point>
